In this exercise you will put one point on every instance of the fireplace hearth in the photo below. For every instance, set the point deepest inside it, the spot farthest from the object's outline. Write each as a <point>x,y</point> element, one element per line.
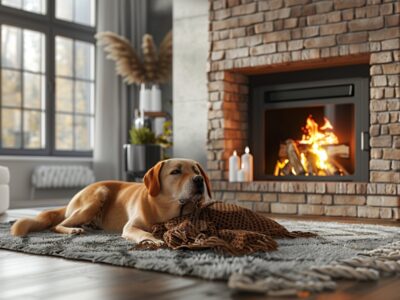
<point>311,125</point>
<point>276,66</point>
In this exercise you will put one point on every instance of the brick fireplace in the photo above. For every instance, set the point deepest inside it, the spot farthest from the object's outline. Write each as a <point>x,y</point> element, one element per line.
<point>255,38</point>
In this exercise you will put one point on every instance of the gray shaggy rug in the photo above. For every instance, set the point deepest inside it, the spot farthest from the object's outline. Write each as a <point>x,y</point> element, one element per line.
<point>351,251</point>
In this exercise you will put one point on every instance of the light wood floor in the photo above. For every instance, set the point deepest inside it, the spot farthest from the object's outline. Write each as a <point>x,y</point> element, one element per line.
<point>24,276</point>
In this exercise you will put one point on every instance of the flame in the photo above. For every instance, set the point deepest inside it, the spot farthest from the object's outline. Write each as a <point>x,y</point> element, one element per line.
<point>315,159</point>
<point>327,125</point>
<point>317,137</point>
<point>303,160</point>
<point>279,166</point>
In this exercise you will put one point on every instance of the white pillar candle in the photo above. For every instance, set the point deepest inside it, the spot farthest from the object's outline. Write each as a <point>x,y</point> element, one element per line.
<point>234,164</point>
<point>241,175</point>
<point>247,164</point>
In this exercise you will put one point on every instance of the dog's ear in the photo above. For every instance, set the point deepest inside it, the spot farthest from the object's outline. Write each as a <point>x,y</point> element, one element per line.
<point>152,179</point>
<point>206,179</point>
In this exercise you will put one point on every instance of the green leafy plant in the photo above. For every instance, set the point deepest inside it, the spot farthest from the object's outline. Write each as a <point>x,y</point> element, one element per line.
<point>142,136</point>
<point>165,139</point>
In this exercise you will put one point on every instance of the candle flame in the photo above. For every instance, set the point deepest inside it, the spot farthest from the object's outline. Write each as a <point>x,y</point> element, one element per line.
<point>234,153</point>
<point>247,150</point>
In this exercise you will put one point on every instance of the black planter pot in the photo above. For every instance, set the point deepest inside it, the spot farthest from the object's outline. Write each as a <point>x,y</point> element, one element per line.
<point>140,158</point>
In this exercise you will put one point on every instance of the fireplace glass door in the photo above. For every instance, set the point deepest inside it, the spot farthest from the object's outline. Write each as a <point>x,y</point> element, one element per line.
<point>310,141</point>
<point>311,129</point>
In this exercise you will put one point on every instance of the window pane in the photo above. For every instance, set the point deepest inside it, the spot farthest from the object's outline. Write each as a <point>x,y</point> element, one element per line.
<point>85,12</point>
<point>77,11</point>
<point>33,51</point>
<point>12,3</point>
<point>34,91</point>
<point>64,95</point>
<point>11,88</point>
<point>84,92</point>
<point>84,63</point>
<point>64,132</point>
<point>34,6</point>
<point>64,62</point>
<point>65,10</point>
<point>11,128</point>
<point>10,47</point>
<point>33,129</point>
<point>83,133</point>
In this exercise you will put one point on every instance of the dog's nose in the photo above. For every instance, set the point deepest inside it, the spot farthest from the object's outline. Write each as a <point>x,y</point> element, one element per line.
<point>198,181</point>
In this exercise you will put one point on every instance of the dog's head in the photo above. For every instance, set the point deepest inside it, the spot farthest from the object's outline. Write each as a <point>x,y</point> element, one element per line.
<point>180,180</point>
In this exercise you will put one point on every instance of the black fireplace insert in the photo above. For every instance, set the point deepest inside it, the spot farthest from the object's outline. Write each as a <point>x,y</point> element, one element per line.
<point>311,125</point>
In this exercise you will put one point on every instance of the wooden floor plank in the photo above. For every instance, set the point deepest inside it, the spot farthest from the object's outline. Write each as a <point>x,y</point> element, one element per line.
<point>26,276</point>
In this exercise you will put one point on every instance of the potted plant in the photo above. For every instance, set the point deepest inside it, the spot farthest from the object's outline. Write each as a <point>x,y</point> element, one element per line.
<point>165,139</point>
<point>142,153</point>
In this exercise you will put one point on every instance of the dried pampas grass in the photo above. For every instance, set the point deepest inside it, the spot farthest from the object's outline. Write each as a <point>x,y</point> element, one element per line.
<point>165,57</point>
<point>155,66</point>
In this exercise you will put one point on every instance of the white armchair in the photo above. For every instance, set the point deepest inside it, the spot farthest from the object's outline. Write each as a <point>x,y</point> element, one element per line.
<point>4,189</point>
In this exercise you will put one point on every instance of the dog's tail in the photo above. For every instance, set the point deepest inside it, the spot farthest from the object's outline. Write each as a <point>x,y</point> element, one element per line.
<point>44,220</point>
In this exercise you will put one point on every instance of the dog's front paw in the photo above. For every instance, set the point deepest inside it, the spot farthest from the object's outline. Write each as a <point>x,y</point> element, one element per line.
<point>77,231</point>
<point>155,242</point>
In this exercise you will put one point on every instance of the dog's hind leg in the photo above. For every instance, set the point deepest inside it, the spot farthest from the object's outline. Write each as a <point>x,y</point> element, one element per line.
<point>77,218</point>
<point>87,209</point>
<point>43,221</point>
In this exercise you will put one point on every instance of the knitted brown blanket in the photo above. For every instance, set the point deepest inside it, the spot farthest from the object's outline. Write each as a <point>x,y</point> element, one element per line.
<point>224,227</point>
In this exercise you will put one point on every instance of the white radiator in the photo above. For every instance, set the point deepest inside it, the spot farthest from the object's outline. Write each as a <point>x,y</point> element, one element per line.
<point>57,176</point>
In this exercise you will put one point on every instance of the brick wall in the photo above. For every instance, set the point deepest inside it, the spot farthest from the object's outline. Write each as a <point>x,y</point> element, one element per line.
<point>253,37</point>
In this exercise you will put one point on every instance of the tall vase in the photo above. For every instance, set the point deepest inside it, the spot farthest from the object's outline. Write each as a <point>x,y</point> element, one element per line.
<point>144,98</point>
<point>156,104</point>
<point>144,106</point>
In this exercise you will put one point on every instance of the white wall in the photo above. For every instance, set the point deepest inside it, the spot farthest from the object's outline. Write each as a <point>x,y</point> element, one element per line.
<point>190,29</point>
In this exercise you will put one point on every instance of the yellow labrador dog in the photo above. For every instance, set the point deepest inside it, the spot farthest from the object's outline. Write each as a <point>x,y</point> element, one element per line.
<point>170,188</point>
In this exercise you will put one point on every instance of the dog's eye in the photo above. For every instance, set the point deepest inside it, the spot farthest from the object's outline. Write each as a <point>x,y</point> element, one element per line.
<point>175,172</point>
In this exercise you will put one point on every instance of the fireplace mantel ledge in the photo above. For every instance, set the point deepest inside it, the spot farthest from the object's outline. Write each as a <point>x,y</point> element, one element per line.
<point>318,187</point>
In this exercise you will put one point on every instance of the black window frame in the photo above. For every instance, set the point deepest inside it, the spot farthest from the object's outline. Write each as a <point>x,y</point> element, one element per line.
<point>51,27</point>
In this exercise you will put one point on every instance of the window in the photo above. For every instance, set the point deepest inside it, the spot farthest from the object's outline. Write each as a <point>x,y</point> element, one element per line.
<point>74,94</point>
<point>47,82</point>
<point>22,88</point>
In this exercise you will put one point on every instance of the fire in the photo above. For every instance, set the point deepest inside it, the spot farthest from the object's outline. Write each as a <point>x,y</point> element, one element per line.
<point>317,137</point>
<point>309,156</point>
<point>279,166</point>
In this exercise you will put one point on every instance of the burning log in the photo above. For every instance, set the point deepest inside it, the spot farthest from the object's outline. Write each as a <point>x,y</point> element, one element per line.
<point>314,154</point>
<point>303,161</point>
<point>341,150</point>
<point>283,168</point>
<point>294,157</point>
<point>282,154</point>
<point>331,169</point>
<point>311,163</point>
<point>342,170</point>
<point>287,170</point>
